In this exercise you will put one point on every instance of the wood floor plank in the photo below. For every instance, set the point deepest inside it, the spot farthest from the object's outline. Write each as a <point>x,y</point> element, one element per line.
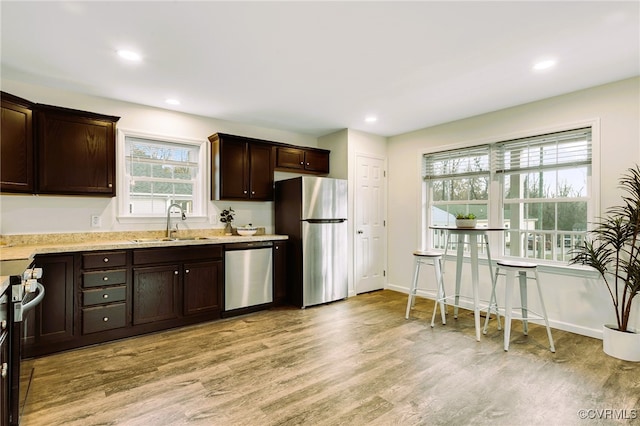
<point>353,362</point>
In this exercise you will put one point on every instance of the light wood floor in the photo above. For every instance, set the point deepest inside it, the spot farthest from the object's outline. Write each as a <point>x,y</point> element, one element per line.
<point>353,362</point>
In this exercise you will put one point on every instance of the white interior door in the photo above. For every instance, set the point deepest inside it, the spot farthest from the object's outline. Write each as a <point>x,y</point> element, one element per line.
<point>370,238</point>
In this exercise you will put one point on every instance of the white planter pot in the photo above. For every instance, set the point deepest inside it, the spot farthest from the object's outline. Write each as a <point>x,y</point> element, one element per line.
<point>625,346</point>
<point>466,223</point>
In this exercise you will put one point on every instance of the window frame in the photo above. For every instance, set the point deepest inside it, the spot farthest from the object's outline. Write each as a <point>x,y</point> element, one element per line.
<point>200,199</point>
<point>496,188</point>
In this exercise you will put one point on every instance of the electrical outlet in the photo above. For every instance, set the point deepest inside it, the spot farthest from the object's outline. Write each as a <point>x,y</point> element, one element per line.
<point>96,221</point>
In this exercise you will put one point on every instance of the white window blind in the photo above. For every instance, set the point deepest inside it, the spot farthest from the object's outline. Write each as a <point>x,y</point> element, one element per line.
<point>552,151</point>
<point>471,161</point>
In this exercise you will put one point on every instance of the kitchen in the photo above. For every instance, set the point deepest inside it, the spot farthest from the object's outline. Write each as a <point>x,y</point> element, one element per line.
<point>615,103</point>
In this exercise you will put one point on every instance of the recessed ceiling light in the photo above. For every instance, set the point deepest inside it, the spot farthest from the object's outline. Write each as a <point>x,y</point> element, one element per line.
<point>129,55</point>
<point>543,65</point>
<point>371,119</point>
<point>172,101</point>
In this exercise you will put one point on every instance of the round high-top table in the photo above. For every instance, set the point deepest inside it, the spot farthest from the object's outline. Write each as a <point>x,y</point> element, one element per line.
<point>467,234</point>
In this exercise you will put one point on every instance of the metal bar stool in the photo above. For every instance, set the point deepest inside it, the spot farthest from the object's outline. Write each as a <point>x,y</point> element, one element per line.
<point>428,258</point>
<point>522,268</point>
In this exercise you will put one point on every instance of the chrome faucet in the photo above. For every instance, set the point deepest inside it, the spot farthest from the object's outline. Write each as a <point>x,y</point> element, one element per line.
<point>184,217</point>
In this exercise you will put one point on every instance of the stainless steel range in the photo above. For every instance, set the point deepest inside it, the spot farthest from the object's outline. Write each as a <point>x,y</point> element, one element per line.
<point>23,294</point>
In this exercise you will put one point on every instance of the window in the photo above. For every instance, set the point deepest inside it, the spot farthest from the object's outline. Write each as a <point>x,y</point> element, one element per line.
<point>540,184</point>
<point>545,183</point>
<point>158,172</point>
<point>458,182</point>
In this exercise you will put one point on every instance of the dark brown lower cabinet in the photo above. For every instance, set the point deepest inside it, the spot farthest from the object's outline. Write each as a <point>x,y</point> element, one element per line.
<point>155,293</point>
<point>202,287</point>
<point>50,325</point>
<point>96,297</point>
<point>279,272</point>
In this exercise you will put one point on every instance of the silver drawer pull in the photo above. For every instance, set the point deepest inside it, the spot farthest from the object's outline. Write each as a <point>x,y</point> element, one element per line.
<point>105,260</point>
<point>105,319</point>
<point>105,278</point>
<point>105,296</point>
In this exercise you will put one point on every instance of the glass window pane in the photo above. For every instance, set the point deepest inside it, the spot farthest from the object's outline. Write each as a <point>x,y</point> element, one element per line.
<point>572,182</point>
<point>572,216</point>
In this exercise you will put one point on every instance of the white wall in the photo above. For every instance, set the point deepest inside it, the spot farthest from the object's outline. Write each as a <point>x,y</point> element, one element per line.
<point>574,304</point>
<point>346,144</point>
<point>27,214</point>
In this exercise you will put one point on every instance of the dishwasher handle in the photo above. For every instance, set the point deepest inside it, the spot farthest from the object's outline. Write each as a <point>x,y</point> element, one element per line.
<point>248,245</point>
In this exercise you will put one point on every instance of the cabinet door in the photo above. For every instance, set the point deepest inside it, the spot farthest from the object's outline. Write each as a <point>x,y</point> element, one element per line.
<point>202,287</point>
<point>289,158</point>
<point>234,169</point>
<point>316,161</point>
<point>260,172</point>
<point>76,154</point>
<point>155,293</point>
<point>279,272</point>
<point>16,145</point>
<point>52,319</point>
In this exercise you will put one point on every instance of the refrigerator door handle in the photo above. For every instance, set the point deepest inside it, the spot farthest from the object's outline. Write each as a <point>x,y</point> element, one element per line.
<point>324,220</point>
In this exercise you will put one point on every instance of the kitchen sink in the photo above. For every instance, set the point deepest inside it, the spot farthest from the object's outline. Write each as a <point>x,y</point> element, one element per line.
<point>165,239</point>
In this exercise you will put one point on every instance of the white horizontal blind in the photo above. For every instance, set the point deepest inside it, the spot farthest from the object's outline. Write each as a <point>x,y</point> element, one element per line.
<point>551,151</point>
<point>160,173</point>
<point>471,161</point>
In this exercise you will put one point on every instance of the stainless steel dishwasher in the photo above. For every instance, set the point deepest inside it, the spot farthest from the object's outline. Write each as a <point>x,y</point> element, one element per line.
<point>248,274</point>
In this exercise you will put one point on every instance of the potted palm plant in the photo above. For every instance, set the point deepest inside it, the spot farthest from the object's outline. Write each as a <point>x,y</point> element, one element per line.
<point>613,249</point>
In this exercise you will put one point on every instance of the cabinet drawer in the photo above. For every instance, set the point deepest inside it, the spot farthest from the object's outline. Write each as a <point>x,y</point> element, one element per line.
<point>104,295</point>
<point>104,278</point>
<point>104,260</point>
<point>103,318</point>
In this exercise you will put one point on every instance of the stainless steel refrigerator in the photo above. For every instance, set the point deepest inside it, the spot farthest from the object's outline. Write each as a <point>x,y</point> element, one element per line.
<point>312,211</point>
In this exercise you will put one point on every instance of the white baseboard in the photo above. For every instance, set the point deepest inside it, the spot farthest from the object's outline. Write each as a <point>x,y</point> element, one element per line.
<point>466,304</point>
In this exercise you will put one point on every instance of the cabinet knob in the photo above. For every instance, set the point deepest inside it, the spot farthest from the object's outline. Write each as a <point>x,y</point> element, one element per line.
<point>5,367</point>
<point>105,319</point>
<point>105,296</point>
<point>175,272</point>
<point>253,192</point>
<point>110,185</point>
<point>307,164</point>
<point>244,192</point>
<point>302,163</point>
<point>105,260</point>
<point>3,324</point>
<point>186,271</point>
<point>105,278</point>
<point>277,248</point>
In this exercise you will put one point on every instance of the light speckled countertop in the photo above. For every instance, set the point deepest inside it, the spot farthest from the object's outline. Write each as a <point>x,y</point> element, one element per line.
<point>17,248</point>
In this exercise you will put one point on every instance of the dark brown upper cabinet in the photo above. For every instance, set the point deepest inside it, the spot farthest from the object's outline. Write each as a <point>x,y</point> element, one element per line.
<point>75,152</point>
<point>241,168</point>
<point>16,145</point>
<point>302,160</point>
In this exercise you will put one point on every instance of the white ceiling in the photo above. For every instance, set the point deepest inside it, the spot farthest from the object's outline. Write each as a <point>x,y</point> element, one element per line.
<point>316,67</point>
